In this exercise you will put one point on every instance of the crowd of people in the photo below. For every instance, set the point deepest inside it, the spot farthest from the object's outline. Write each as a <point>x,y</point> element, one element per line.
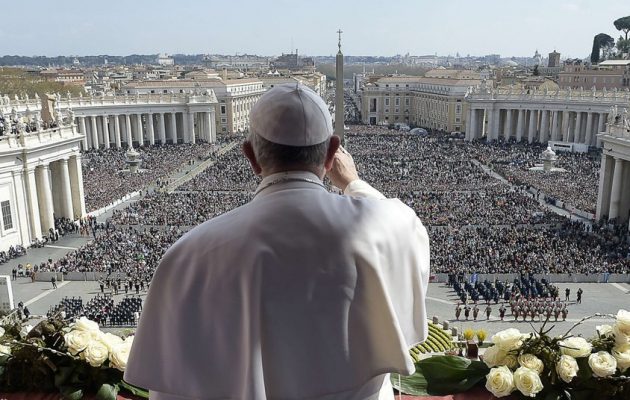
<point>107,179</point>
<point>101,309</point>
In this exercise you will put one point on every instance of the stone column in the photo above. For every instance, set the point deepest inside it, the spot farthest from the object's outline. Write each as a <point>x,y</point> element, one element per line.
<point>532,126</point>
<point>615,191</point>
<point>33,204</point>
<point>191,126</point>
<point>84,142</point>
<point>45,201</point>
<point>554,126</point>
<point>94,133</point>
<point>117,131</point>
<point>76,186</point>
<point>66,195</point>
<point>588,136</point>
<point>544,126</point>
<point>209,123</point>
<point>520,125</point>
<point>150,130</point>
<point>507,131</point>
<point>174,127</point>
<point>565,126</point>
<point>605,180</point>
<point>601,127</point>
<point>106,138</point>
<point>128,131</point>
<point>577,133</point>
<point>161,128</point>
<point>471,127</point>
<point>139,133</point>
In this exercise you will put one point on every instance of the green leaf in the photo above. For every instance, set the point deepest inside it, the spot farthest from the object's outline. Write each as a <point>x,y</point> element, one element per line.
<point>134,389</point>
<point>451,374</point>
<point>71,393</point>
<point>107,392</point>
<point>585,372</point>
<point>414,385</point>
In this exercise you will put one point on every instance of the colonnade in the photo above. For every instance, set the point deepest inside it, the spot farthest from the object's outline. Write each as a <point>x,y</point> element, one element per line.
<point>54,189</point>
<point>613,200</point>
<point>535,125</point>
<point>139,129</point>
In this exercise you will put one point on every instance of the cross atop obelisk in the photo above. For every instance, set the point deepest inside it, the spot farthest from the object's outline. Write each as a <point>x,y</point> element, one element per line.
<point>339,104</point>
<point>339,44</point>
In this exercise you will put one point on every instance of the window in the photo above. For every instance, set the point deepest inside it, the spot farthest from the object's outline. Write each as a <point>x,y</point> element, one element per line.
<point>387,101</point>
<point>458,109</point>
<point>7,219</point>
<point>222,109</point>
<point>397,101</point>
<point>406,102</point>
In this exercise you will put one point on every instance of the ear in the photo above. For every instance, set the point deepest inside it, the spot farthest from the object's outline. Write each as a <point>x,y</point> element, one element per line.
<point>333,145</point>
<point>248,151</point>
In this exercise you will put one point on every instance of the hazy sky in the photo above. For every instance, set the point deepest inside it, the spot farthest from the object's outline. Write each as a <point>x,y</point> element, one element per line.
<point>271,27</point>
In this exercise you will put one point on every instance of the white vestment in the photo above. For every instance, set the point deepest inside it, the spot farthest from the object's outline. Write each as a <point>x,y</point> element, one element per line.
<point>299,294</point>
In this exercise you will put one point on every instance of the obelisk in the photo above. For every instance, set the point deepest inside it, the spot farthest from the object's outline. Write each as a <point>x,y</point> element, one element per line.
<point>339,107</point>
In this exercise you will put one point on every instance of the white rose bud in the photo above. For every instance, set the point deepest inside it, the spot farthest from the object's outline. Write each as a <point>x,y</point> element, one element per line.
<point>567,368</point>
<point>1,331</point>
<point>575,347</point>
<point>622,355</point>
<point>623,322</point>
<point>602,364</point>
<point>77,341</point>
<point>527,381</point>
<point>493,356</point>
<point>532,362</point>
<point>120,355</point>
<point>96,353</point>
<point>500,381</point>
<point>509,339</point>
<point>510,361</point>
<point>25,330</point>
<point>84,324</point>
<point>620,337</point>
<point>604,330</point>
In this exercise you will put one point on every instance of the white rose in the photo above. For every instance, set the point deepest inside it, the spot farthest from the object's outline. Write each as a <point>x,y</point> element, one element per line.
<point>500,381</point>
<point>620,337</point>
<point>509,339</point>
<point>575,347</point>
<point>96,353</point>
<point>567,368</point>
<point>532,362</point>
<point>77,341</point>
<point>110,340</point>
<point>622,355</point>
<point>1,331</point>
<point>602,364</point>
<point>493,356</point>
<point>119,355</point>
<point>604,330</point>
<point>84,324</point>
<point>623,322</point>
<point>25,330</point>
<point>510,361</point>
<point>129,339</point>
<point>527,381</point>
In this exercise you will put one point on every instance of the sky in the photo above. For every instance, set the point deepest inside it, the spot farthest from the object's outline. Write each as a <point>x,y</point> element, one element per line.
<point>272,27</point>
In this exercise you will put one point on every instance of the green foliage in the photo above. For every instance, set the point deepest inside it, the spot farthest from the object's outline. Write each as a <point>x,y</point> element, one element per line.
<point>442,375</point>
<point>623,24</point>
<point>600,41</point>
<point>623,45</point>
<point>16,81</point>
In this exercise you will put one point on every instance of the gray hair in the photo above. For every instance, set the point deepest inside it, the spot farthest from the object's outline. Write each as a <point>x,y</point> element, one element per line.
<point>274,155</point>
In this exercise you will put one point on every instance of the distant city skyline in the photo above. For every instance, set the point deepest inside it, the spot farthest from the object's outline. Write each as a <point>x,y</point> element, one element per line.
<point>371,27</point>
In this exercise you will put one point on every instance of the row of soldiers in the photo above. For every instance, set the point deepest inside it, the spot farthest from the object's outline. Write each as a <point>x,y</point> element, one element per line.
<point>521,307</point>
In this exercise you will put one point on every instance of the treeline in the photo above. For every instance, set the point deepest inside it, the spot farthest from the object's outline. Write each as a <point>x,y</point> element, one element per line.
<point>15,81</point>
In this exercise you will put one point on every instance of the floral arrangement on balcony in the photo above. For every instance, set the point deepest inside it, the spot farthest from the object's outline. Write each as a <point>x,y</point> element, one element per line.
<point>73,359</point>
<point>536,365</point>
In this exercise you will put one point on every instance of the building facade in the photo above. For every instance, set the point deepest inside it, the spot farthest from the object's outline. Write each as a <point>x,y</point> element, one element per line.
<point>435,103</point>
<point>613,200</point>
<point>540,116</point>
<point>610,74</point>
<point>40,179</point>
<point>235,97</point>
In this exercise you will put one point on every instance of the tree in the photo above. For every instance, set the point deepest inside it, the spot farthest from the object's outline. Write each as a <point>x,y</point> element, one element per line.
<point>536,72</point>
<point>600,41</point>
<point>623,45</point>
<point>623,24</point>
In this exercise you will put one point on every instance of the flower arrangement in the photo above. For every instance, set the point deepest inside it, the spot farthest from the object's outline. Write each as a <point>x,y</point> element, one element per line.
<point>73,359</point>
<point>536,365</point>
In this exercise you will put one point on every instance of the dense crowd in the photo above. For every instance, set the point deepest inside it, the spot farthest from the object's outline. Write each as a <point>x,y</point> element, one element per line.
<point>105,175</point>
